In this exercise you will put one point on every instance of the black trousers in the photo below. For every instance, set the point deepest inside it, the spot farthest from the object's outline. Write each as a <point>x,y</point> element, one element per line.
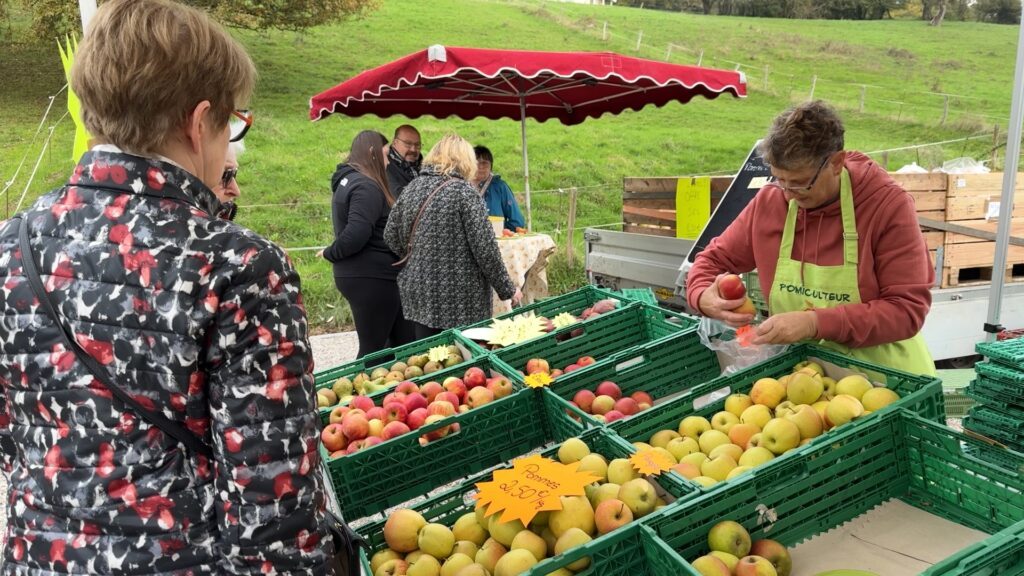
<point>424,331</point>
<point>377,312</point>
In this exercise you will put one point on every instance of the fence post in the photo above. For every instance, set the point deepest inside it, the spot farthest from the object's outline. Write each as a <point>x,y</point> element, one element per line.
<point>668,53</point>
<point>885,161</point>
<point>639,37</point>
<point>765,77</point>
<point>814,83</point>
<point>570,244</point>
<point>700,58</point>
<point>604,32</point>
<point>863,92</point>
<point>995,145</point>
<point>945,111</point>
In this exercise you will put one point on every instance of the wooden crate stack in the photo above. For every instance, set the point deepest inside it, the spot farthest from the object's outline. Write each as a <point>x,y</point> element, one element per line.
<point>929,192</point>
<point>649,204</point>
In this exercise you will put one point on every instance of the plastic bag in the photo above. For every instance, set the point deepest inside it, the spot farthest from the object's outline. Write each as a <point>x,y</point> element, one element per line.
<point>735,351</point>
<point>963,165</point>
<point>912,168</point>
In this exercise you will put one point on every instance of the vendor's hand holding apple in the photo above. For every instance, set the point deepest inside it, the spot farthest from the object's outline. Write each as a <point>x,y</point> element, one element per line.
<point>726,300</point>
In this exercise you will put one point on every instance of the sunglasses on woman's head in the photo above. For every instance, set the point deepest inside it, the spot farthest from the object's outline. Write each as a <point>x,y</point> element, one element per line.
<point>238,124</point>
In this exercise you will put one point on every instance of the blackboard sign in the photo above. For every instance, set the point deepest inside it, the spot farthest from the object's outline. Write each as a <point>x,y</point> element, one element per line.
<point>749,179</point>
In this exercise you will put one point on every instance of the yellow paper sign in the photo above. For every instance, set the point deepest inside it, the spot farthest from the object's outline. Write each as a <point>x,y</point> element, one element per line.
<point>539,380</point>
<point>693,206</point>
<point>651,462</point>
<point>438,354</point>
<point>534,484</point>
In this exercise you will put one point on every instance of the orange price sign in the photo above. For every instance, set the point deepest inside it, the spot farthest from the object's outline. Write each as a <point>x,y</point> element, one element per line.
<point>539,380</point>
<point>650,462</point>
<point>533,484</point>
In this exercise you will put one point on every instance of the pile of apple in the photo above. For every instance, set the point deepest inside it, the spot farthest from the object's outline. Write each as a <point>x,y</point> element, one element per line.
<point>483,546</point>
<point>362,424</point>
<point>731,287</point>
<point>733,554</point>
<point>776,417</point>
<point>607,404</point>
<point>384,377</point>
<point>535,365</point>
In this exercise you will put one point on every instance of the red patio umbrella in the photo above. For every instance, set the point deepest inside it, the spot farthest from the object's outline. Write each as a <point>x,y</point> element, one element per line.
<point>475,82</point>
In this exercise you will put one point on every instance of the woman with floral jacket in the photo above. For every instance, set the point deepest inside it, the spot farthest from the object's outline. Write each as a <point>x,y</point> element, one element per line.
<point>194,317</point>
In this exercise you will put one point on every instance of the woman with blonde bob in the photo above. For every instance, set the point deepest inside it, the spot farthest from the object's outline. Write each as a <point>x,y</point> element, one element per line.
<point>439,228</point>
<point>157,412</point>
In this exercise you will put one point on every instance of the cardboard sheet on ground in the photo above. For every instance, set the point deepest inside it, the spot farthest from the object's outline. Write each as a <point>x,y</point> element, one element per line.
<point>895,539</point>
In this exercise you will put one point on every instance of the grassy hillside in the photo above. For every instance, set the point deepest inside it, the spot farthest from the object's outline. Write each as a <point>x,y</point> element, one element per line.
<point>905,65</point>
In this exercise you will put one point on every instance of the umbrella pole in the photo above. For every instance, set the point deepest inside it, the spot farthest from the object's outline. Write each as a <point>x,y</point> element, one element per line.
<point>1006,201</point>
<point>526,162</point>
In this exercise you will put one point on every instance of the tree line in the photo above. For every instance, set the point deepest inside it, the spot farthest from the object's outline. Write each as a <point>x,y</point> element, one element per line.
<point>934,11</point>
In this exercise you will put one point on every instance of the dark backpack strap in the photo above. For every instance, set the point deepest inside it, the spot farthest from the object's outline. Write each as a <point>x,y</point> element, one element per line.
<point>98,372</point>
<point>412,230</point>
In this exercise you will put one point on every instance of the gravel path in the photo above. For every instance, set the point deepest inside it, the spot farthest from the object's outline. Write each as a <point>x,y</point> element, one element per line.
<point>329,350</point>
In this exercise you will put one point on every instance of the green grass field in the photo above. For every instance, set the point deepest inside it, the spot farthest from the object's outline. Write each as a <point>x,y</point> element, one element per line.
<point>903,68</point>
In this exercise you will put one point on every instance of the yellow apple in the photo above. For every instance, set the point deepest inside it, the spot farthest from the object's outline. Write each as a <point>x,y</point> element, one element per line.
<point>756,456</point>
<point>758,415</point>
<point>737,403</point>
<point>455,563</point>
<point>465,547</point>
<point>724,421</point>
<point>809,366</point>
<point>595,464</point>
<point>682,446</point>
<point>437,540</point>
<point>718,467</point>
<point>490,553</point>
<point>661,438</point>
<point>728,559</point>
<point>694,426</point>
<point>572,450</point>
<point>712,439</point>
<point>606,491</point>
<point>381,557</point>
<point>527,540</point>
<point>392,568</point>
<point>576,512</point>
<point>514,562</point>
<point>571,539</point>
<point>504,532</point>
<point>413,556</point>
<point>803,389</point>
<point>705,481</point>
<point>666,454</point>
<point>808,421</point>
<point>820,406</point>
<point>621,471</point>
<point>755,566</point>
<point>741,433</point>
<point>830,388</point>
<point>375,427</point>
<point>730,449</point>
<point>731,537</point>
<point>687,470</point>
<point>639,495</point>
<point>708,565</point>
<point>842,409</point>
<point>425,565</point>
<point>696,459</point>
<point>402,530</point>
<point>878,398</point>
<point>640,446</point>
<point>473,570</point>
<point>754,441</point>
<point>737,471</point>
<point>768,392</point>
<point>854,385</point>
<point>785,408</point>
<point>467,528</point>
<point>779,436</point>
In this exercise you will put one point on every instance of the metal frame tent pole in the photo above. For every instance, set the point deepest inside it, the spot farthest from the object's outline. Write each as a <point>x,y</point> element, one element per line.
<point>86,8</point>
<point>995,297</point>
<point>526,161</point>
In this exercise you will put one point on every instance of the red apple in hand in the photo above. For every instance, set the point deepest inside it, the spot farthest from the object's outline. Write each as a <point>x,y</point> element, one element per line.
<point>731,287</point>
<point>333,438</point>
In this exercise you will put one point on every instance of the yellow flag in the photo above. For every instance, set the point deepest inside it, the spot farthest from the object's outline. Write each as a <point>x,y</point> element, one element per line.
<point>82,136</point>
<point>693,206</point>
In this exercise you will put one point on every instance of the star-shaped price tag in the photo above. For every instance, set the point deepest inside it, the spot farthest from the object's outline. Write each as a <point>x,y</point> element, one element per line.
<point>533,484</point>
<point>438,354</point>
<point>650,462</point>
<point>539,380</point>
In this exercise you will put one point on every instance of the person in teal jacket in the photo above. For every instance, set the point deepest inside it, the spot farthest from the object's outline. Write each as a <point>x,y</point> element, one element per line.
<point>496,193</point>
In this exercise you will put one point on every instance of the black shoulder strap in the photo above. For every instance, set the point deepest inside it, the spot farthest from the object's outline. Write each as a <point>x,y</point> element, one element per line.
<point>155,418</point>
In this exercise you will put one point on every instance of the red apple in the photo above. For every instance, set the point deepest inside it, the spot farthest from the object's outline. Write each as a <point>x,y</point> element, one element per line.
<point>556,373</point>
<point>609,388</point>
<point>394,429</point>
<point>775,553</point>
<point>354,447</point>
<point>333,437</point>
<point>440,408</point>
<point>642,397</point>
<point>371,441</point>
<point>479,396</point>
<point>337,454</point>
<point>413,401</point>
<point>375,413</point>
<point>431,390</point>
<point>602,404</point>
<point>572,368</point>
<point>416,418</point>
<point>448,397</point>
<point>474,377</point>
<point>455,386</point>
<point>440,432</point>
<point>584,399</point>
<point>407,387</point>
<point>731,287</point>
<point>355,426</point>
<point>394,412</point>
<point>361,402</point>
<point>534,365</point>
<point>586,361</point>
<point>337,413</point>
<point>393,397</point>
<point>613,415</point>
<point>500,387</point>
<point>627,406</point>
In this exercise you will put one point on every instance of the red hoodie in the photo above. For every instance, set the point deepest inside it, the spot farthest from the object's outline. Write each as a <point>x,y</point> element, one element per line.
<point>894,272</point>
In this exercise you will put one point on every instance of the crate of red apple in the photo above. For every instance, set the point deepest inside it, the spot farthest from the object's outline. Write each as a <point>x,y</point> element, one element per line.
<point>605,403</point>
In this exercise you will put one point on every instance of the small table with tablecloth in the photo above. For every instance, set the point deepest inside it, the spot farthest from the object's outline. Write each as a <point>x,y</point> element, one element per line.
<point>526,259</point>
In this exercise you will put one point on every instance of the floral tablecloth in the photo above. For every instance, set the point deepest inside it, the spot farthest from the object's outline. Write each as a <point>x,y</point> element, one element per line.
<point>521,254</point>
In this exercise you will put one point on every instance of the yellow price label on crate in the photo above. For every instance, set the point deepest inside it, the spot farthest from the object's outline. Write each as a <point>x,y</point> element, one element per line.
<point>534,484</point>
<point>651,462</point>
<point>539,380</point>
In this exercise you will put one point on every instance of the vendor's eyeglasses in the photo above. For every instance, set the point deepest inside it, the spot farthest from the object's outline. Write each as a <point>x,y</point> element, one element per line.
<point>801,189</point>
<point>228,176</point>
<point>412,145</point>
<point>238,124</point>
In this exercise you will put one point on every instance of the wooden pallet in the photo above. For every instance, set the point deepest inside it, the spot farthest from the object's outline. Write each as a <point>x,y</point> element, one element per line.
<point>649,204</point>
<point>979,275</point>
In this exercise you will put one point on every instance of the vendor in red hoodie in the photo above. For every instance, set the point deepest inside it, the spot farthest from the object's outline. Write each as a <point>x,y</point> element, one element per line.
<point>836,245</point>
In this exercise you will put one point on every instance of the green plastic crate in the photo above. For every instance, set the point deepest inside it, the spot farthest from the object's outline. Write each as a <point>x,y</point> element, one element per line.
<point>449,505</point>
<point>668,366</point>
<point>957,403</point>
<point>988,391</point>
<point>1009,353</point>
<point>572,302</point>
<point>633,325</point>
<point>368,481</point>
<point>922,394</point>
<point>1002,554</point>
<point>488,363</point>
<point>1001,417</point>
<point>1003,437</point>
<point>999,372</point>
<point>639,295</point>
<point>385,358</point>
<point>894,455</point>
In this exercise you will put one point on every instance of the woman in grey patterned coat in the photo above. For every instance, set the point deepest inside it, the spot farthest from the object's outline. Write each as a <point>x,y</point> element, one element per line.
<point>453,259</point>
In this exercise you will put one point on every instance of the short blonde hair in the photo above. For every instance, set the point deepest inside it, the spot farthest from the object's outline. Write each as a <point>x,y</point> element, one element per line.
<point>452,154</point>
<point>144,65</point>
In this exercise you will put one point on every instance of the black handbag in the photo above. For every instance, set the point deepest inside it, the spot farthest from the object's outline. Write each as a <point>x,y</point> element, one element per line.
<point>346,542</point>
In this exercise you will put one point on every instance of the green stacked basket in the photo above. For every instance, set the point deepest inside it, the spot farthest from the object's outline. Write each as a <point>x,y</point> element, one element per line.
<point>999,391</point>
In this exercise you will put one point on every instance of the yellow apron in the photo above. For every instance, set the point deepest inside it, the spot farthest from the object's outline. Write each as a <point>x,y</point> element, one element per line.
<point>831,286</point>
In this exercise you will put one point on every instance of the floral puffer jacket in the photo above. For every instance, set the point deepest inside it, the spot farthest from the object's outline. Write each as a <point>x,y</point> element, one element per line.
<point>192,315</point>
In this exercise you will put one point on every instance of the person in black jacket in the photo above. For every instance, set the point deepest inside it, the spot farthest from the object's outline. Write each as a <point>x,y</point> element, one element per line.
<point>404,158</point>
<point>364,266</point>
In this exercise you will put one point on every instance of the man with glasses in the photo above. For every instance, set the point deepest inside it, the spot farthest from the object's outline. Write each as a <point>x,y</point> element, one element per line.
<point>404,158</point>
<point>837,248</point>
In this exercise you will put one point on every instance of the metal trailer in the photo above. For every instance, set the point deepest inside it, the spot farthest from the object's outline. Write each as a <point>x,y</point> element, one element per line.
<point>628,260</point>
